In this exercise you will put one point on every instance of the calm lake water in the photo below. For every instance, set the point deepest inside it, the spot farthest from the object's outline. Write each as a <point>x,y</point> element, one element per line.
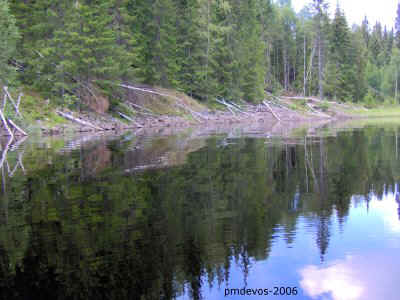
<point>213,217</point>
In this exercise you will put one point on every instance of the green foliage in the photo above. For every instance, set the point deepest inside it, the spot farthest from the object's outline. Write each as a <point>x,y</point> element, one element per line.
<point>8,38</point>
<point>205,48</point>
<point>324,106</point>
<point>369,100</point>
<point>340,71</point>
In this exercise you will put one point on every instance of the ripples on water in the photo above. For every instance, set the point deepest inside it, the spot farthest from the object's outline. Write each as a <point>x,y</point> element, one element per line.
<point>177,217</point>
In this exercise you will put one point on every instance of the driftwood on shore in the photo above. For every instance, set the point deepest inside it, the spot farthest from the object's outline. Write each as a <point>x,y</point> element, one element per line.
<point>317,112</point>
<point>79,121</point>
<point>272,112</point>
<point>130,119</point>
<point>148,111</point>
<point>17,128</point>
<point>232,107</point>
<point>196,115</point>
<point>5,124</point>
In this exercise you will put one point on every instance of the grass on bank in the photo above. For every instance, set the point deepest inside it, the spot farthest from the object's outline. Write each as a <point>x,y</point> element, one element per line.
<point>40,112</point>
<point>37,112</point>
<point>381,111</point>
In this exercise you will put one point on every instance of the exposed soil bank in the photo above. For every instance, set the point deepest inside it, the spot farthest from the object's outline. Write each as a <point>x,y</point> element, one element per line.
<point>149,109</point>
<point>254,117</point>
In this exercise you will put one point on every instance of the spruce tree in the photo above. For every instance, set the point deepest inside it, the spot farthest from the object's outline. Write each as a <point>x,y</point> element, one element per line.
<point>252,60</point>
<point>163,63</point>
<point>8,39</point>
<point>341,73</point>
<point>397,26</point>
<point>221,62</point>
<point>192,48</point>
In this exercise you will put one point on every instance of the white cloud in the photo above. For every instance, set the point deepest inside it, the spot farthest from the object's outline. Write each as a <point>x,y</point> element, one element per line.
<point>373,275</point>
<point>355,10</point>
<point>338,281</point>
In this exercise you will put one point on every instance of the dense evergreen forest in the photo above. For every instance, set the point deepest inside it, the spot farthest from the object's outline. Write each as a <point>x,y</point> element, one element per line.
<point>206,48</point>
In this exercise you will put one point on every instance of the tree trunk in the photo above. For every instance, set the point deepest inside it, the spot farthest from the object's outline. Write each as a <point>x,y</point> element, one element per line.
<point>285,68</point>
<point>304,72</point>
<point>396,88</point>
<point>320,85</point>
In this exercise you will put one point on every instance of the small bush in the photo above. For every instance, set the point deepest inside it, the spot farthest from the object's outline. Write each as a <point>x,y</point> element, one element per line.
<point>324,106</point>
<point>369,100</point>
<point>389,101</point>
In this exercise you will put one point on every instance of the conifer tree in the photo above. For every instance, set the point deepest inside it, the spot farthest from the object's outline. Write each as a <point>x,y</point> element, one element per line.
<point>340,74</point>
<point>221,63</point>
<point>8,39</point>
<point>250,54</point>
<point>397,26</point>
<point>163,44</point>
<point>192,46</point>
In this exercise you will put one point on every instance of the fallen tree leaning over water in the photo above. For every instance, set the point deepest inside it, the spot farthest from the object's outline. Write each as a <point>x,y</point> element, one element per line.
<point>11,128</point>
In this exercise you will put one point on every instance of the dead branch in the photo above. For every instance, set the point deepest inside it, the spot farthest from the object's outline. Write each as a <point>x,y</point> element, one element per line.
<point>16,127</point>
<point>317,112</point>
<point>180,104</point>
<point>130,119</point>
<point>231,107</point>
<point>141,107</point>
<point>79,121</point>
<point>12,101</point>
<point>270,109</point>
<point>3,119</point>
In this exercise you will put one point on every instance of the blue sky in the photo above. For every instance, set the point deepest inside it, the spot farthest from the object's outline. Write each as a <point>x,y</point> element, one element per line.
<point>355,10</point>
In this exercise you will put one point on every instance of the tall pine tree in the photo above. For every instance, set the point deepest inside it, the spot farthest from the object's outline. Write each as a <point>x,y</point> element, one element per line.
<point>8,39</point>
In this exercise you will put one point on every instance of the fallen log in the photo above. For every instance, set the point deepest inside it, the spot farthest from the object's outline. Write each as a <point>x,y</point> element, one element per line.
<point>144,113</point>
<point>270,109</point>
<point>16,127</point>
<point>141,107</point>
<point>79,121</point>
<point>130,119</point>
<point>230,106</point>
<point>12,101</point>
<point>189,110</point>
<point>166,95</point>
<point>317,112</point>
<point>3,119</point>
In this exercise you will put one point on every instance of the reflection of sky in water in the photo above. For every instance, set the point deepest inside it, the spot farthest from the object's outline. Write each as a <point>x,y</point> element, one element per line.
<point>362,260</point>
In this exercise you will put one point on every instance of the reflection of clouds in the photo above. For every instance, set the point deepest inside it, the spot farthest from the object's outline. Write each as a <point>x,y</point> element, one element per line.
<point>338,280</point>
<point>370,275</point>
<point>388,208</point>
<point>373,275</point>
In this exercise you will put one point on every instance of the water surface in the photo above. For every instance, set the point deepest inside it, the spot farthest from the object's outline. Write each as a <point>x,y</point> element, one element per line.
<point>182,217</point>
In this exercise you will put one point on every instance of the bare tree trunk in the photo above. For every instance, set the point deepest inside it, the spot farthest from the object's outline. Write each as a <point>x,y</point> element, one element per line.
<point>285,68</point>
<point>208,41</point>
<point>3,119</point>
<point>304,71</point>
<point>320,79</point>
<point>396,88</point>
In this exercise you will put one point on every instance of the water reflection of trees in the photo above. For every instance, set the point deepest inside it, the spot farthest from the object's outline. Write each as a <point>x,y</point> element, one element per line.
<point>81,227</point>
